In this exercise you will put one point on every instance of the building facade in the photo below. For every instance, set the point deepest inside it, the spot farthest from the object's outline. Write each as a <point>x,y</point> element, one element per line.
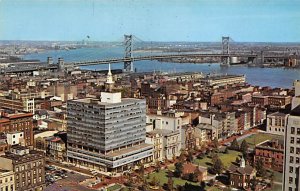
<point>291,173</point>
<point>107,134</point>
<point>21,122</point>
<point>7,180</point>
<point>271,154</point>
<point>28,167</point>
<point>276,123</point>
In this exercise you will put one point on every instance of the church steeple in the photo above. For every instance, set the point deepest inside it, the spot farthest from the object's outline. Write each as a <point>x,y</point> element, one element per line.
<point>242,162</point>
<point>109,80</point>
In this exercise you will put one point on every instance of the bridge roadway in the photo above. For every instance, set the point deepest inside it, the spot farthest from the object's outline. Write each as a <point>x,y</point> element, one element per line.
<point>139,58</point>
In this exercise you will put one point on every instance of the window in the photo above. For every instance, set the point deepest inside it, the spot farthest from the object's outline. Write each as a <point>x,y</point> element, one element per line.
<point>298,140</point>
<point>290,180</point>
<point>292,150</point>
<point>297,160</point>
<point>292,130</point>
<point>291,169</point>
<point>292,140</point>
<point>298,131</point>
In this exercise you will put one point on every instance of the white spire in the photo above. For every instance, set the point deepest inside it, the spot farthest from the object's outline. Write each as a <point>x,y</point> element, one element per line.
<point>242,162</point>
<point>109,79</point>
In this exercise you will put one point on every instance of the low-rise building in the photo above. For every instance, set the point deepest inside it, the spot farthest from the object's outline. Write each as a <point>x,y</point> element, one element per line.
<point>56,148</point>
<point>7,180</point>
<point>28,167</point>
<point>241,175</point>
<point>271,153</point>
<point>190,168</point>
<point>166,143</point>
<point>276,123</point>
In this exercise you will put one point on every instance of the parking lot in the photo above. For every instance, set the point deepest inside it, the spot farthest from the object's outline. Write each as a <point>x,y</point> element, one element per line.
<point>62,180</point>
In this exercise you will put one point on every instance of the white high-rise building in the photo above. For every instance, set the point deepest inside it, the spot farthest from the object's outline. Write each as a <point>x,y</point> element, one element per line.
<point>291,180</point>
<point>108,134</point>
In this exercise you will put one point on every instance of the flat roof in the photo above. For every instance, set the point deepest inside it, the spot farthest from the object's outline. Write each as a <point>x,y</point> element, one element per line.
<point>129,150</point>
<point>278,114</point>
<point>98,102</point>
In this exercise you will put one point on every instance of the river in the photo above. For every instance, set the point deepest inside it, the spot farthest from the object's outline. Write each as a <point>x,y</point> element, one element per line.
<point>273,77</point>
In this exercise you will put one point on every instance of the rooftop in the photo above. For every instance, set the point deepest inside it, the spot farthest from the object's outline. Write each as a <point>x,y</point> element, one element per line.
<point>129,150</point>
<point>163,132</point>
<point>296,111</point>
<point>33,155</point>
<point>98,102</point>
<point>279,114</point>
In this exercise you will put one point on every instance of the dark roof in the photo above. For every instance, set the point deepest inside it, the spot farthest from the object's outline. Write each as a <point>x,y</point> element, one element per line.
<point>296,111</point>
<point>240,170</point>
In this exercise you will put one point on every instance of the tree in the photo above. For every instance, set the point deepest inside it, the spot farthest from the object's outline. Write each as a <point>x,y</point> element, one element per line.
<point>203,185</point>
<point>170,185</point>
<point>154,181</point>
<point>196,174</point>
<point>157,166</point>
<point>182,156</point>
<point>244,146</point>
<point>214,157</point>
<point>234,145</point>
<point>215,143</point>
<point>226,150</point>
<point>217,165</point>
<point>178,169</point>
<point>261,171</point>
<point>253,183</point>
<point>272,179</point>
<point>190,157</point>
<point>191,177</point>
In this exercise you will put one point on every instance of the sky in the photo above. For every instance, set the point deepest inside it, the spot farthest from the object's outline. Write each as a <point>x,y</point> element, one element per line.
<point>151,20</point>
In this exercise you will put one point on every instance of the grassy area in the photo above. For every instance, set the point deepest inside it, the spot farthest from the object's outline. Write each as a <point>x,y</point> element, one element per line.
<point>225,158</point>
<point>276,187</point>
<point>114,187</point>
<point>213,188</point>
<point>277,176</point>
<point>255,139</point>
<point>163,178</point>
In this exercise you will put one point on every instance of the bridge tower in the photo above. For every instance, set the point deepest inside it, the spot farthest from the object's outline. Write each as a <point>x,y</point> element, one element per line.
<point>225,51</point>
<point>128,65</point>
<point>262,56</point>
<point>61,64</point>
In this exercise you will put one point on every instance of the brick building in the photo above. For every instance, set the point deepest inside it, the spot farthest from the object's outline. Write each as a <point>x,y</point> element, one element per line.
<point>28,167</point>
<point>271,153</point>
<point>17,122</point>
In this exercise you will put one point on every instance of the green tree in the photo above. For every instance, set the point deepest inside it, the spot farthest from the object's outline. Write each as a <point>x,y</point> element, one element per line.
<point>170,185</point>
<point>226,150</point>
<point>190,157</point>
<point>178,169</point>
<point>253,183</point>
<point>154,181</point>
<point>196,174</point>
<point>203,185</point>
<point>157,166</point>
<point>261,171</point>
<point>217,165</point>
<point>272,176</point>
<point>235,145</point>
<point>244,146</point>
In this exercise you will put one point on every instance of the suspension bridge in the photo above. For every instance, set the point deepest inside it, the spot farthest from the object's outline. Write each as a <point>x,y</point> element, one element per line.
<point>224,56</point>
<point>129,59</point>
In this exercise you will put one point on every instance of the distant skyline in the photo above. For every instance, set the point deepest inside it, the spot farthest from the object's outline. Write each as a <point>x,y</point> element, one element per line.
<point>151,20</point>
